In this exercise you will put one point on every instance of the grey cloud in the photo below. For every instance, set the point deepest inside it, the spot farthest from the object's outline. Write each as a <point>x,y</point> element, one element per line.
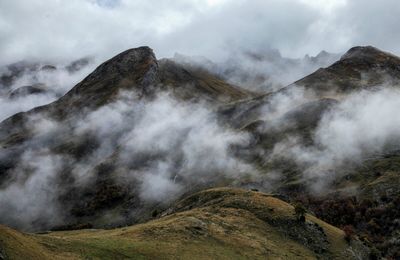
<point>61,30</point>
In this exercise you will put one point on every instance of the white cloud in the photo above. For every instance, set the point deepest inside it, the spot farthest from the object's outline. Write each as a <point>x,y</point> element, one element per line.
<point>362,126</point>
<point>64,29</point>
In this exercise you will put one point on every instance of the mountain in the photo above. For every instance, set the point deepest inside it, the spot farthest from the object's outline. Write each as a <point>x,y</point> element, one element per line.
<point>218,223</point>
<point>360,67</point>
<point>138,133</point>
<point>135,70</point>
<point>358,184</point>
<point>196,83</point>
<point>28,90</point>
<point>261,71</point>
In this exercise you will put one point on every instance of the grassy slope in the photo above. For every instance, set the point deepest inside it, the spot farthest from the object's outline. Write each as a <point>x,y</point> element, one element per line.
<point>221,224</point>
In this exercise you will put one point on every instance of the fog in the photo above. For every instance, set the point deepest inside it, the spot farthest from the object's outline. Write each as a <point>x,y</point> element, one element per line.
<point>261,71</point>
<point>360,127</point>
<point>164,145</point>
<point>51,83</point>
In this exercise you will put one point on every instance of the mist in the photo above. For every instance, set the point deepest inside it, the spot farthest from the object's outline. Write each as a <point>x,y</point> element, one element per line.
<point>24,86</point>
<point>265,70</point>
<point>161,148</point>
<point>360,127</point>
<point>158,148</point>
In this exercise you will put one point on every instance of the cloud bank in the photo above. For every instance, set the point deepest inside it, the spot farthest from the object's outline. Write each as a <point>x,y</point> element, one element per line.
<point>58,30</point>
<point>360,127</point>
<point>160,148</point>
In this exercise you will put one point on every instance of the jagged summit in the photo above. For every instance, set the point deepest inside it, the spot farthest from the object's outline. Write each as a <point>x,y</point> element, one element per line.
<point>126,63</point>
<point>133,66</point>
<point>137,70</point>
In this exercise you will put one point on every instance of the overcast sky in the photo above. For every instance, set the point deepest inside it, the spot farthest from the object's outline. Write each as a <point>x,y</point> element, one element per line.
<point>63,30</point>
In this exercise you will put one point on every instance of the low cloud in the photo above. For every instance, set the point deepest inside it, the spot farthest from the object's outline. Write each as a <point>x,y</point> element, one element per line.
<point>28,200</point>
<point>362,126</point>
<point>52,83</point>
<point>163,145</point>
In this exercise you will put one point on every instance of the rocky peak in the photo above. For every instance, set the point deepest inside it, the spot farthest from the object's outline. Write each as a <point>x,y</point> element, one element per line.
<point>134,69</point>
<point>361,67</point>
<point>367,54</point>
<point>126,63</point>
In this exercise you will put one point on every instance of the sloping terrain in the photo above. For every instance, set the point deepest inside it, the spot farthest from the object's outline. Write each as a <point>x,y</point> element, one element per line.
<point>96,177</point>
<point>219,223</point>
<point>363,193</point>
<point>198,83</point>
<point>136,71</point>
<point>361,68</point>
<point>263,71</point>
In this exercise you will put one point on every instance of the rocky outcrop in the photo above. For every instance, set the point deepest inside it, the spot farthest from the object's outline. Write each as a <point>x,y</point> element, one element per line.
<point>28,90</point>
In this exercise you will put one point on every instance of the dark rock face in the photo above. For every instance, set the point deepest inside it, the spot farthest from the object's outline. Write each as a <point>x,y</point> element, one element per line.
<point>48,68</point>
<point>134,69</point>
<point>15,70</point>
<point>78,64</point>
<point>28,90</point>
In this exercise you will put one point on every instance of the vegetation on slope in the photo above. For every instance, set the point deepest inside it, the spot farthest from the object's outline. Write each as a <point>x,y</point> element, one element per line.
<point>220,223</point>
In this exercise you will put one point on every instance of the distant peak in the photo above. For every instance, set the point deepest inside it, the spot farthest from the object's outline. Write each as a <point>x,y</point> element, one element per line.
<point>322,54</point>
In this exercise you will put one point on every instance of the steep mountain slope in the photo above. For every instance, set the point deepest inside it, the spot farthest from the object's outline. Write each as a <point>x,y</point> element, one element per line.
<point>218,223</point>
<point>361,68</point>
<point>96,179</point>
<point>361,191</point>
<point>135,71</point>
<point>261,71</point>
<point>138,70</point>
<point>197,83</point>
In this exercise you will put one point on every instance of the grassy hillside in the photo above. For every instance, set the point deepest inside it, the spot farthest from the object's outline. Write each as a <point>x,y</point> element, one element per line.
<point>219,223</point>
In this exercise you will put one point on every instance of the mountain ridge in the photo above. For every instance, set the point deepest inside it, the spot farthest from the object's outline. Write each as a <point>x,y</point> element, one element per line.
<point>237,111</point>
